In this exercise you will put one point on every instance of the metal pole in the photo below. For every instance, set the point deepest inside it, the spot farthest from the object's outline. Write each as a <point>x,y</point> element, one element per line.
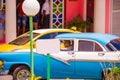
<point>31,47</point>
<point>48,66</point>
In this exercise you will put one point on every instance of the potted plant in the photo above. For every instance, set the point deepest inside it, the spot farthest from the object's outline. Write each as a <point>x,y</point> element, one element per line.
<point>78,23</point>
<point>113,73</point>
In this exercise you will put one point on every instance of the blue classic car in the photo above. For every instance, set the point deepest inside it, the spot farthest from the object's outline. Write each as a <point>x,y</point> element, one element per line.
<point>73,55</point>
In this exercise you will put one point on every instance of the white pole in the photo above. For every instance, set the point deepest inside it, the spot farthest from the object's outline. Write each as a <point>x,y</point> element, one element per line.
<point>10,24</point>
<point>99,16</point>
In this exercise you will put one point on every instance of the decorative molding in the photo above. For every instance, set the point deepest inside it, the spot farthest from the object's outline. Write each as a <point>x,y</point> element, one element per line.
<point>57,13</point>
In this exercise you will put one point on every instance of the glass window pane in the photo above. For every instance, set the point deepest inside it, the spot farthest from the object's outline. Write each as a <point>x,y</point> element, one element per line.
<point>66,45</point>
<point>98,48</point>
<point>116,43</point>
<point>85,46</point>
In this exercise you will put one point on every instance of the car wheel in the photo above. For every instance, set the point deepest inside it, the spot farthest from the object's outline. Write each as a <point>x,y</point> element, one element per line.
<point>21,73</point>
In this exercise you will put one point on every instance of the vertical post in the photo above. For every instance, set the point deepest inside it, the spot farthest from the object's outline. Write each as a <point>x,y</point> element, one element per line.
<point>48,66</point>
<point>99,15</point>
<point>31,47</point>
<point>31,8</point>
<point>10,21</point>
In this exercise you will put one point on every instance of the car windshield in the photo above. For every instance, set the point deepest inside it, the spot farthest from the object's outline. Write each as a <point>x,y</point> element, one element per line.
<point>23,39</point>
<point>114,45</point>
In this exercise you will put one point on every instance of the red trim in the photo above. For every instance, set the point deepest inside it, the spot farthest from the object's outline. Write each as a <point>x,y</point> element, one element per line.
<point>107,18</point>
<point>3,40</point>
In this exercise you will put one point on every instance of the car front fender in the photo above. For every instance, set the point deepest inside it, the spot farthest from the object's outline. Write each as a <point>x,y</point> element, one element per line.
<point>7,66</point>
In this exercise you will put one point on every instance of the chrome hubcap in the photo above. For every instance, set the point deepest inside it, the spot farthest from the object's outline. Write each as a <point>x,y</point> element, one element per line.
<point>23,75</point>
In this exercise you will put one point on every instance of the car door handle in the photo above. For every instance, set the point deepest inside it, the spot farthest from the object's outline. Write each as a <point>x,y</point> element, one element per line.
<point>101,54</point>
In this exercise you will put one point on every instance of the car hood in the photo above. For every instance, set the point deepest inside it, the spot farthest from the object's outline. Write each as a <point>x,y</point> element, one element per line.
<point>8,47</point>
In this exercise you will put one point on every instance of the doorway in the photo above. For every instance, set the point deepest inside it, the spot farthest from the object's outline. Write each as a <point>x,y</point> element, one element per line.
<point>90,14</point>
<point>23,22</point>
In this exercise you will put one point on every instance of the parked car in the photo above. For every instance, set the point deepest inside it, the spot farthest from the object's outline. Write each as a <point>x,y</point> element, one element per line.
<point>91,55</point>
<point>22,42</point>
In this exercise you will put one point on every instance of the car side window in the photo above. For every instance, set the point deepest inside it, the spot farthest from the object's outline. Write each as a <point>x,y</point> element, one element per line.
<point>84,45</point>
<point>66,45</point>
<point>97,47</point>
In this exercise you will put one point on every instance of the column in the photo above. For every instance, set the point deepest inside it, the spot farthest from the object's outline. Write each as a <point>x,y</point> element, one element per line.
<point>99,16</point>
<point>10,20</point>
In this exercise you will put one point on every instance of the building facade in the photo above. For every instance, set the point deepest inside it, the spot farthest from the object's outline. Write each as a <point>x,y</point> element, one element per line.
<point>104,14</point>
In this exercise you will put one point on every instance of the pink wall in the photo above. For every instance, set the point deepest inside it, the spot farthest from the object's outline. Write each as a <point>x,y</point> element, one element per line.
<point>73,8</point>
<point>107,16</point>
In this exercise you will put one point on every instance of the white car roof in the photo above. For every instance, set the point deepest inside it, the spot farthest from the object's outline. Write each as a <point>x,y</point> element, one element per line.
<point>48,30</point>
